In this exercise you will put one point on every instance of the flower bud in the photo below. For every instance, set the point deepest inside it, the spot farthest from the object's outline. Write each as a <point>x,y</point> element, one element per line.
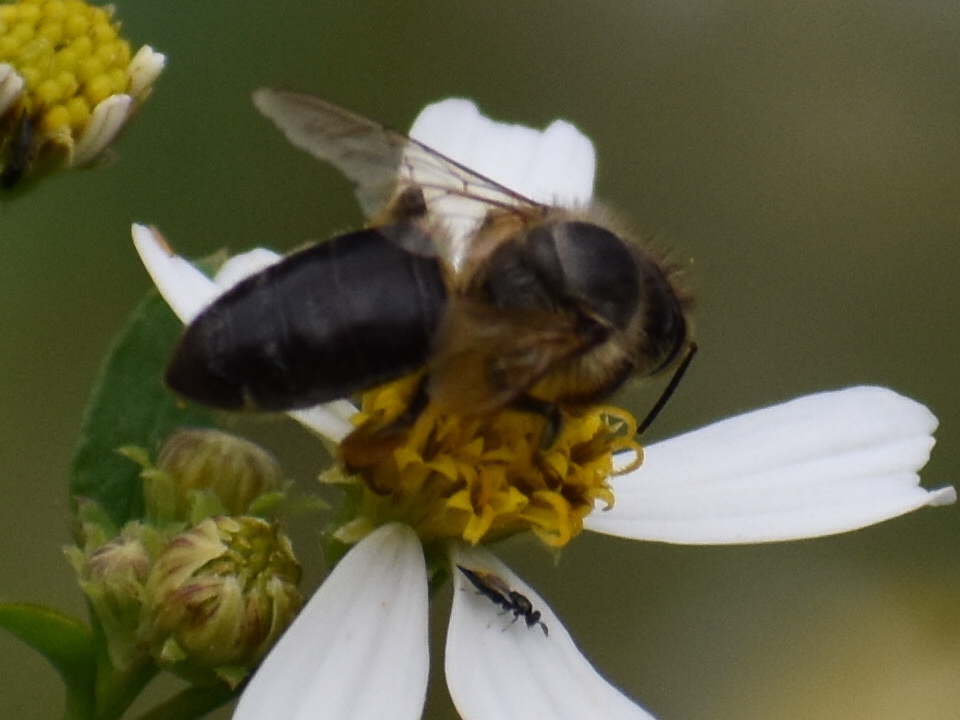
<point>112,576</point>
<point>192,462</point>
<point>120,566</point>
<point>218,597</point>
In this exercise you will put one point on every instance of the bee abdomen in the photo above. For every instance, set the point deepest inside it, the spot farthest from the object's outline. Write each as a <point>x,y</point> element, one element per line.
<point>323,323</point>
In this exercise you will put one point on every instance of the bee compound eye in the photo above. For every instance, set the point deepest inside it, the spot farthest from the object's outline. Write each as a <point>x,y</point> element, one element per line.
<point>592,266</point>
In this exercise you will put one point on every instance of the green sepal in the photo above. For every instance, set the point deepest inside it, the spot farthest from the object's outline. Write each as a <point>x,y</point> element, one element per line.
<point>335,549</point>
<point>130,407</point>
<point>65,642</point>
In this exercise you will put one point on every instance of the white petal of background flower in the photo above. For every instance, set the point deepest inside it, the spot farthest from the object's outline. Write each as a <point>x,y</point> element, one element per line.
<point>188,291</point>
<point>497,669</point>
<point>145,67</point>
<point>817,465</point>
<point>106,121</point>
<point>358,650</point>
<point>11,85</point>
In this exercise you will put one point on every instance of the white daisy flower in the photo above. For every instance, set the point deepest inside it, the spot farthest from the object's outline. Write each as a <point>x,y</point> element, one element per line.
<point>822,464</point>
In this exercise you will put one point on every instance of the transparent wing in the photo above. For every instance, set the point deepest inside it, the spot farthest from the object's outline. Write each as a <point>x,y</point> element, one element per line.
<point>381,161</point>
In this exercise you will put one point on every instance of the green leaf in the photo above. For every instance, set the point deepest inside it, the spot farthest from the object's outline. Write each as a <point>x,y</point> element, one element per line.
<point>130,406</point>
<point>65,642</point>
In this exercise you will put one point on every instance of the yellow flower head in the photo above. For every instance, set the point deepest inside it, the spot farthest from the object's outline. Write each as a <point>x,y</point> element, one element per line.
<point>481,478</point>
<point>68,84</point>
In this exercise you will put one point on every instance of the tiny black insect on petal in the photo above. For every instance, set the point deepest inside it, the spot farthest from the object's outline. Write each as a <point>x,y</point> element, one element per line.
<point>498,592</point>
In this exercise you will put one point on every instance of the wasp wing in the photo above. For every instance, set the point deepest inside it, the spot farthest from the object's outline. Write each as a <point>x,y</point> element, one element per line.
<point>382,162</point>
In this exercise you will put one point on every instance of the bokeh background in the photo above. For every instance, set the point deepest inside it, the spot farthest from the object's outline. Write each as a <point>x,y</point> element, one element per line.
<point>804,156</point>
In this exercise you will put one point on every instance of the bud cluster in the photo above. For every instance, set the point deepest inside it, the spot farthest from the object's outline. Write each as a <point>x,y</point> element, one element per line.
<point>201,595</point>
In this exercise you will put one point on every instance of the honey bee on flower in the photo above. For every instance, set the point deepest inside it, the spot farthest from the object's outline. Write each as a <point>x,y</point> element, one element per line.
<point>534,307</point>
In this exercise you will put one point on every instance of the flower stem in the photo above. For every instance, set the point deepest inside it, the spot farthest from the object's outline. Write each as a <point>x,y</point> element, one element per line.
<point>191,703</point>
<point>116,690</point>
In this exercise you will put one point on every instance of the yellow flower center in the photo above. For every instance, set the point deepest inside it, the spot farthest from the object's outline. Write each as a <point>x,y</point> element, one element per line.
<point>69,56</point>
<point>483,478</point>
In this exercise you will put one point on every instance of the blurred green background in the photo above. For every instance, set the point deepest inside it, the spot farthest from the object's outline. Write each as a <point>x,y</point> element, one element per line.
<point>805,156</point>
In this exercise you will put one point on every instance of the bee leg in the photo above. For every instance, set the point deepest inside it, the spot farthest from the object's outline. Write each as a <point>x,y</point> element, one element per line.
<point>418,403</point>
<point>547,410</point>
<point>405,420</point>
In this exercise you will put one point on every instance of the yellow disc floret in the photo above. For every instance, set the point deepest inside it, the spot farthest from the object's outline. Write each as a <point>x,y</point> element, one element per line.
<point>483,478</point>
<point>65,50</point>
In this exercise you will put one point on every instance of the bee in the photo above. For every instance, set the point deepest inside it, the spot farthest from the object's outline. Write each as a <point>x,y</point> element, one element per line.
<point>546,309</point>
<point>497,591</point>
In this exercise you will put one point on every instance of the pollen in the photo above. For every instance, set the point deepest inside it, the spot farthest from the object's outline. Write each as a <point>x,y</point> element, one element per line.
<point>68,83</point>
<point>483,478</point>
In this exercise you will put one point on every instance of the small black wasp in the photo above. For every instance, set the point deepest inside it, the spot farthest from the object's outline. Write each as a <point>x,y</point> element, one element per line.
<point>497,591</point>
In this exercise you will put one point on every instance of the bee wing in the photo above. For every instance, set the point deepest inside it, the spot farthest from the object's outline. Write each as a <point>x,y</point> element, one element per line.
<point>380,161</point>
<point>486,357</point>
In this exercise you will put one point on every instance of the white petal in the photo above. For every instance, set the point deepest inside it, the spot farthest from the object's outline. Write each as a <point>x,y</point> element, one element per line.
<point>497,669</point>
<point>188,291</point>
<point>239,267</point>
<point>325,420</point>
<point>553,166</point>
<point>817,465</point>
<point>343,409</point>
<point>108,117</point>
<point>358,650</point>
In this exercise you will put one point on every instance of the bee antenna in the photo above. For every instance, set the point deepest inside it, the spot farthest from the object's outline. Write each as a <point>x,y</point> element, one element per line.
<point>668,391</point>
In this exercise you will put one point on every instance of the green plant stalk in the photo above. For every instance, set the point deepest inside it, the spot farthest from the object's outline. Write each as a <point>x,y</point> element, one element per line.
<point>192,703</point>
<point>116,690</point>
